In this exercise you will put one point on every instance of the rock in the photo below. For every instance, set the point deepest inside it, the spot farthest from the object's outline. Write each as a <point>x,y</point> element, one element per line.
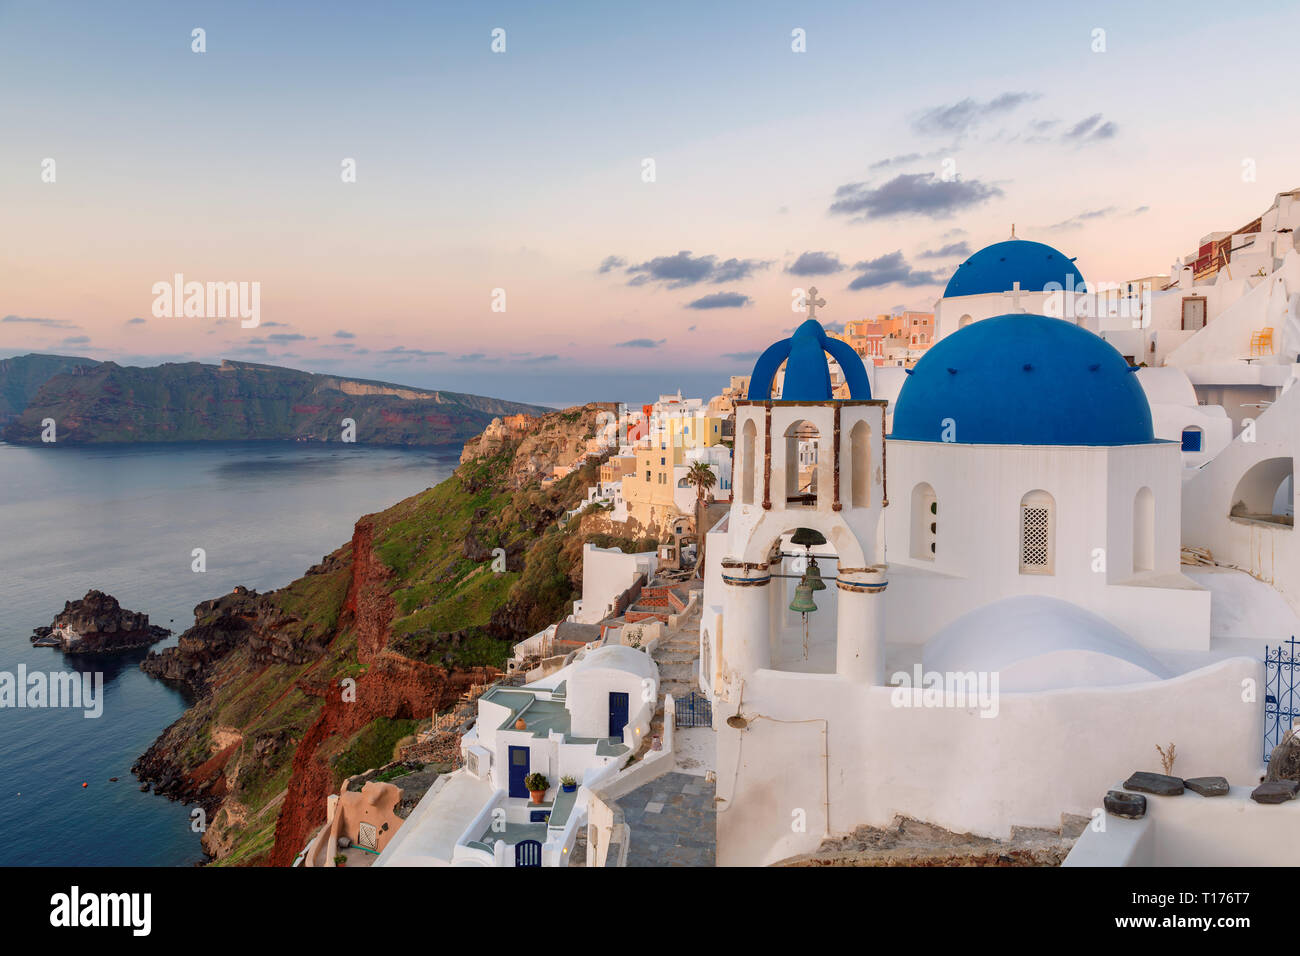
<point>1160,784</point>
<point>144,788</point>
<point>112,779</point>
<point>1208,786</point>
<point>344,843</point>
<point>98,624</point>
<point>1130,806</point>
<point>1284,761</point>
<point>1275,791</point>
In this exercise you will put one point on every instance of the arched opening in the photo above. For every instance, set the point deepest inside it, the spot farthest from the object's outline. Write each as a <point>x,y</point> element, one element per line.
<point>801,464</point>
<point>1144,531</point>
<point>804,621</point>
<point>964,321</point>
<point>925,522</point>
<point>747,459</point>
<point>860,455</point>
<point>1192,437</point>
<point>1037,533</point>
<point>1266,493</point>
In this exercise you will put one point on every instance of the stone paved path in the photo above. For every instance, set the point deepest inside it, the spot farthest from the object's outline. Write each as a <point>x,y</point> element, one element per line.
<point>673,822</point>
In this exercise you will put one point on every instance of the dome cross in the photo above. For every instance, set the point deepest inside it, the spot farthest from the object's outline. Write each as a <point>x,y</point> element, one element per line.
<point>812,302</point>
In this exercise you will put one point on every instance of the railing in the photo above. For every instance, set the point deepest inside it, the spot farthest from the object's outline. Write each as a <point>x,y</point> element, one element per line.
<point>1281,692</point>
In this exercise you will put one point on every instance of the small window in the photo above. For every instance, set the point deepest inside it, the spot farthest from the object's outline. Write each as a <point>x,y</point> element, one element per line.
<point>1191,439</point>
<point>1036,544</point>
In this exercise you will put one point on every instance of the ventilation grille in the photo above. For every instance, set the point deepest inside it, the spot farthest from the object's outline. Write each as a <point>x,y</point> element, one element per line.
<point>1035,550</point>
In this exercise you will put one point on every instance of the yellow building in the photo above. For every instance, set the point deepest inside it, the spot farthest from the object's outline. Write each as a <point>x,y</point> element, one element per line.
<point>650,490</point>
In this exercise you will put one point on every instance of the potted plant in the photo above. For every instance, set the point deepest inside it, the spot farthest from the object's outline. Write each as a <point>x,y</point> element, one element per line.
<point>537,785</point>
<point>568,784</point>
<point>340,859</point>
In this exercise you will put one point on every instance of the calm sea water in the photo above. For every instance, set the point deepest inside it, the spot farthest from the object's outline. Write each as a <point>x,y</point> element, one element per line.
<point>126,520</point>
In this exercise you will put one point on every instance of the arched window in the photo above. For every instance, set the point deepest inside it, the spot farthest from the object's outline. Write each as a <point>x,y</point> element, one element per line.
<point>925,522</point>
<point>964,321</point>
<point>860,453</point>
<point>801,463</point>
<point>750,466</point>
<point>1191,438</point>
<point>1144,531</point>
<point>1037,533</point>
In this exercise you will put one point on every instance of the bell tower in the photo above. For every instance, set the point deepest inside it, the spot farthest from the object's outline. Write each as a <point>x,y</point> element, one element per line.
<point>809,484</point>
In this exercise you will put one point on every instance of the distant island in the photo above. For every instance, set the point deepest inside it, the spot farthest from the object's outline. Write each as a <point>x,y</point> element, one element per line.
<point>97,624</point>
<point>102,402</point>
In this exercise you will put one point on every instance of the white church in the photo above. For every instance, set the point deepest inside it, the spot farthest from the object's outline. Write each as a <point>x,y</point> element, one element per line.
<point>977,613</point>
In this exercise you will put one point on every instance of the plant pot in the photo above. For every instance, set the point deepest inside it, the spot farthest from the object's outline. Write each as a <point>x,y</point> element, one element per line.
<point>537,795</point>
<point>568,787</point>
<point>521,724</point>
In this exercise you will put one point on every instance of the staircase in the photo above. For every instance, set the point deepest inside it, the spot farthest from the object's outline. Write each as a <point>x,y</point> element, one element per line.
<point>678,657</point>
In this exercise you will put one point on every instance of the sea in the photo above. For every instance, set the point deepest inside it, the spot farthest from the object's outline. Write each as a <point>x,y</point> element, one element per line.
<point>127,520</point>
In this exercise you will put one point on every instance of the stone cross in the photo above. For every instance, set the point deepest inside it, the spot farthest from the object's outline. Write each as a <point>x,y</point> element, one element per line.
<point>813,302</point>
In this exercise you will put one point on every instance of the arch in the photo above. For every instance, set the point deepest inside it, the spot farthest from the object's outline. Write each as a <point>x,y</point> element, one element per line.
<point>925,522</point>
<point>1266,493</point>
<point>860,456</point>
<point>1037,533</point>
<point>1144,530</point>
<point>801,463</point>
<point>964,321</point>
<point>749,434</point>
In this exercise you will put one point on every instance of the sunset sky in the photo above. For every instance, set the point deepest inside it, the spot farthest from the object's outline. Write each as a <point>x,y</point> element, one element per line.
<point>523,171</point>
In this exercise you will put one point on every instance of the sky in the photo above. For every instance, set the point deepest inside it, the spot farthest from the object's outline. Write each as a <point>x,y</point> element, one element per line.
<point>641,186</point>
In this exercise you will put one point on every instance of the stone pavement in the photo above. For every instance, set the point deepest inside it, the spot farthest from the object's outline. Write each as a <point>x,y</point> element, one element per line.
<point>673,822</point>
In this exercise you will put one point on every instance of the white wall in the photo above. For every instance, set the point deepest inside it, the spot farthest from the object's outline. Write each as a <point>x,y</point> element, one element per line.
<point>1044,754</point>
<point>607,573</point>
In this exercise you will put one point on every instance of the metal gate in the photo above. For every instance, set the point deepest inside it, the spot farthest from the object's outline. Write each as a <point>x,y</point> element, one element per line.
<point>694,710</point>
<point>528,853</point>
<point>1281,691</point>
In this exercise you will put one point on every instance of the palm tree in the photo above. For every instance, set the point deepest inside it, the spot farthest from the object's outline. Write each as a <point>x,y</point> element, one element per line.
<point>702,477</point>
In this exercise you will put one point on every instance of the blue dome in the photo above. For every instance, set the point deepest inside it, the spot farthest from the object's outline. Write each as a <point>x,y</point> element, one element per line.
<point>997,268</point>
<point>1023,380</point>
<point>807,372</point>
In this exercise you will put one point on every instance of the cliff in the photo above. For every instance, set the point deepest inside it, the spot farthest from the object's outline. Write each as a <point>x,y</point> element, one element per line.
<point>22,376</point>
<point>299,688</point>
<point>98,624</point>
<point>190,401</point>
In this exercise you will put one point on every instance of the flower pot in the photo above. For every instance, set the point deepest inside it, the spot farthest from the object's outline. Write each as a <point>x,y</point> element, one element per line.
<point>521,724</point>
<point>569,787</point>
<point>537,795</point>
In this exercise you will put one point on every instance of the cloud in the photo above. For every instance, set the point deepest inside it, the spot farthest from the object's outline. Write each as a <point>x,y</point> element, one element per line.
<point>470,357</point>
<point>414,353</point>
<point>1090,129</point>
<point>610,263</point>
<point>912,194</point>
<point>271,325</point>
<point>77,340</point>
<point>48,323</point>
<point>964,115</point>
<point>946,252</point>
<point>888,270</point>
<point>1080,220</point>
<point>684,269</point>
<point>816,264</point>
<point>640,344</point>
<point>278,338</point>
<point>532,360</point>
<point>135,321</point>
<point>741,356</point>
<point>341,334</point>
<point>720,300</point>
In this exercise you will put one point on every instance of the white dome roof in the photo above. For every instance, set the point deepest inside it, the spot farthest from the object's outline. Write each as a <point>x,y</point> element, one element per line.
<point>1040,643</point>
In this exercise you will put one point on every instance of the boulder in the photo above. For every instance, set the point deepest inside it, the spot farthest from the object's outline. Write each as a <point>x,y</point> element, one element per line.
<point>1284,761</point>
<point>1275,791</point>
<point>1130,806</point>
<point>1208,786</point>
<point>1160,784</point>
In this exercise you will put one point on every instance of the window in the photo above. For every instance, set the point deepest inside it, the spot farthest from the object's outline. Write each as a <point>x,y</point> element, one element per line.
<point>925,522</point>
<point>663,461</point>
<point>1036,533</point>
<point>747,462</point>
<point>1191,439</point>
<point>860,454</point>
<point>1144,531</point>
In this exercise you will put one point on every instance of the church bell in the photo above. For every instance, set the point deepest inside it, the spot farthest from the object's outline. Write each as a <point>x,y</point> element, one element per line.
<point>803,599</point>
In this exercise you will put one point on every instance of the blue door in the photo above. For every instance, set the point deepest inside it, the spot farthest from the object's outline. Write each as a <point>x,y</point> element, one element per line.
<point>617,713</point>
<point>518,771</point>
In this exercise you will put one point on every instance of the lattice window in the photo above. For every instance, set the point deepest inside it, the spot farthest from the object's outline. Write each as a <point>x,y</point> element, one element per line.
<point>1036,533</point>
<point>368,836</point>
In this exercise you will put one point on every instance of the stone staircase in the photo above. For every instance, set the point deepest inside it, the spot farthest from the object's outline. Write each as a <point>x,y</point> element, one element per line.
<point>678,657</point>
